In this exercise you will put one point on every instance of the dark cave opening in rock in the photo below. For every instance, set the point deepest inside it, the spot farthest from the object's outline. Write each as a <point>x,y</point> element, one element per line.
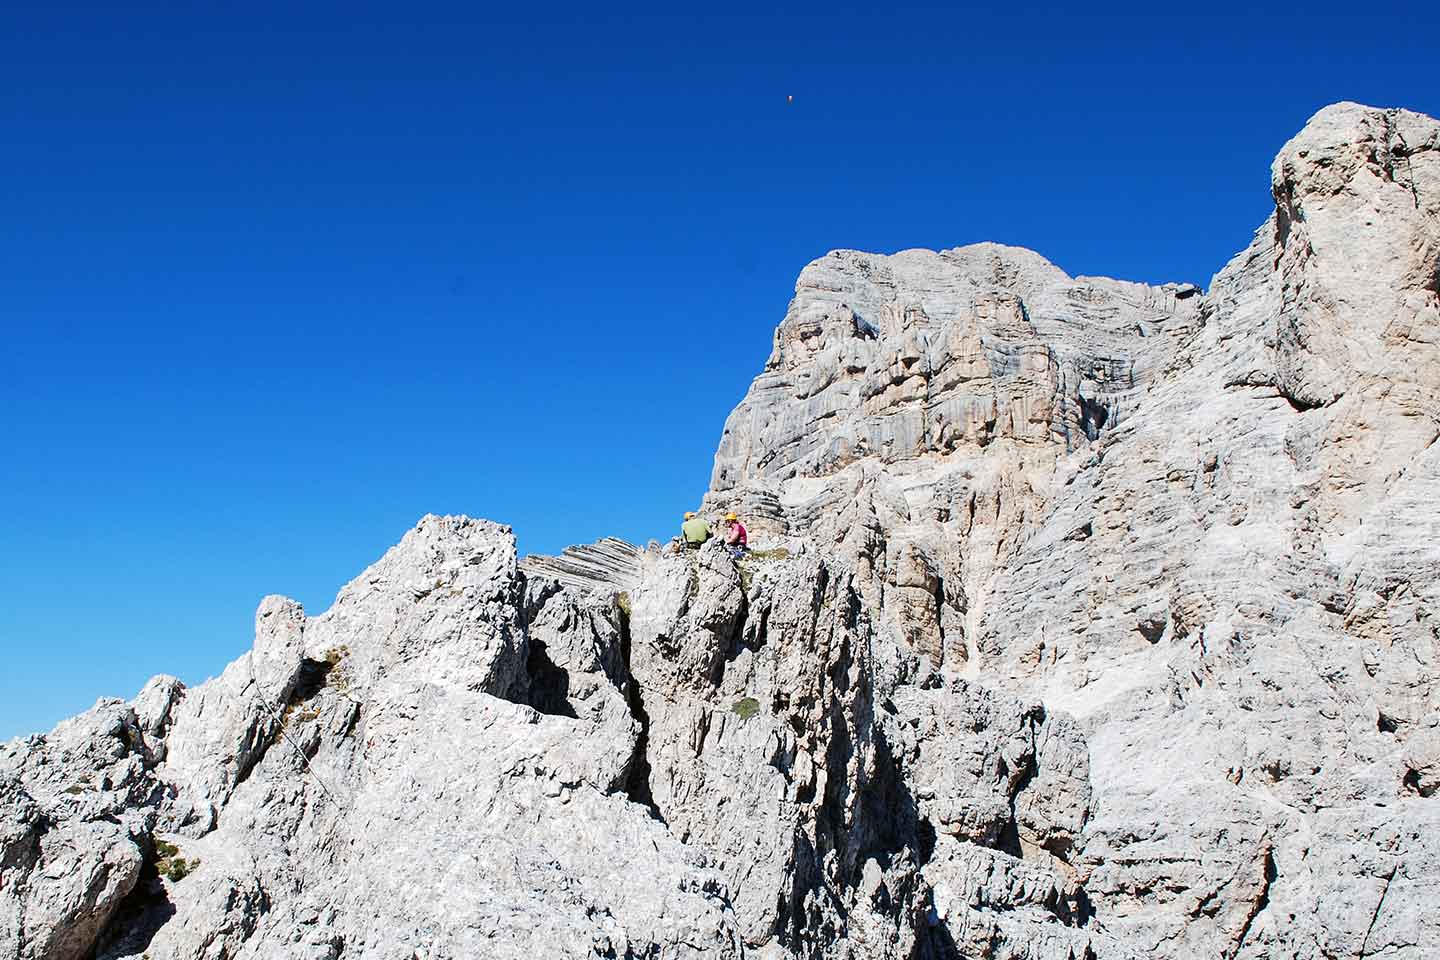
<point>1093,416</point>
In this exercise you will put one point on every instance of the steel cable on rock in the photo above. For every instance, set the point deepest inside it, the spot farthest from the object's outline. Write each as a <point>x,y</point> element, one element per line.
<point>279,722</point>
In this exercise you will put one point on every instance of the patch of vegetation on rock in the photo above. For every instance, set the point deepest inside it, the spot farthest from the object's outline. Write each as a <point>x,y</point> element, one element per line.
<point>776,553</point>
<point>170,865</point>
<point>746,709</point>
<point>177,869</point>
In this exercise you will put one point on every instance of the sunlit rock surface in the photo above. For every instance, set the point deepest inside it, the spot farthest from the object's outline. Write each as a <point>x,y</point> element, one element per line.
<point>1095,619</point>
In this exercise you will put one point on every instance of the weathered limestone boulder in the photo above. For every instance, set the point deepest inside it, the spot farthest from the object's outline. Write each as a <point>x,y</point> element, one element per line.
<point>77,811</point>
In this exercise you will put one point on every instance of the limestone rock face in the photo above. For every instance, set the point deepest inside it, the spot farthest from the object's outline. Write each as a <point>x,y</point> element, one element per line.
<point>918,404</point>
<point>1228,581</point>
<point>78,808</point>
<point>892,358</point>
<point>609,564</point>
<point>1093,620</point>
<point>388,778</point>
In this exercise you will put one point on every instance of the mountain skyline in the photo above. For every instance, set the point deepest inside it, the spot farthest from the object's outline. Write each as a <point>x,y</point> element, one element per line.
<point>282,282</point>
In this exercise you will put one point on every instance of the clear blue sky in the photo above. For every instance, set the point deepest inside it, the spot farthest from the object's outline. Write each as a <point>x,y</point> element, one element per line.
<point>277,283</point>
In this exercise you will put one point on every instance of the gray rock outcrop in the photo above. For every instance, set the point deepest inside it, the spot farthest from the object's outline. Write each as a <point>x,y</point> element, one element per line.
<point>1094,620</point>
<point>1226,575</point>
<point>610,564</point>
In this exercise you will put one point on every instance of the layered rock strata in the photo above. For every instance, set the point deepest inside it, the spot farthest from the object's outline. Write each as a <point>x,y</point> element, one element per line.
<point>609,564</point>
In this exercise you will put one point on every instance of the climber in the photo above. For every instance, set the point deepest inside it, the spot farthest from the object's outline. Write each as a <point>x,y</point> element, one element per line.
<point>736,540</point>
<point>694,531</point>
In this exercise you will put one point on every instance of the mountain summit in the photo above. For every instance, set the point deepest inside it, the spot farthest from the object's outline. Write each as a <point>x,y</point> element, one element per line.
<point>1086,619</point>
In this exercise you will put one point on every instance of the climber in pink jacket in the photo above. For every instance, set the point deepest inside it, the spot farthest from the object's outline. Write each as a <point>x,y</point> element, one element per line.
<point>735,537</point>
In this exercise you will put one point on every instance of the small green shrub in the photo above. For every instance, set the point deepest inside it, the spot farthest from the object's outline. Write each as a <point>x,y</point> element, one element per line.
<point>177,869</point>
<point>622,600</point>
<point>170,865</point>
<point>746,708</point>
<point>76,790</point>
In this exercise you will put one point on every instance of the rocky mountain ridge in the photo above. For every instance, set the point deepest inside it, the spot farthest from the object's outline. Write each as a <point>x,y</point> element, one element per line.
<point>1097,620</point>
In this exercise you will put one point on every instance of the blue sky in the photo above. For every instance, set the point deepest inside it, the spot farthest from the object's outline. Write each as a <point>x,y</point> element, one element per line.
<point>278,283</point>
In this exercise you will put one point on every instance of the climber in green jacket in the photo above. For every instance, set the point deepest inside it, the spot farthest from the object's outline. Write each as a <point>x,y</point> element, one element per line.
<point>694,531</point>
